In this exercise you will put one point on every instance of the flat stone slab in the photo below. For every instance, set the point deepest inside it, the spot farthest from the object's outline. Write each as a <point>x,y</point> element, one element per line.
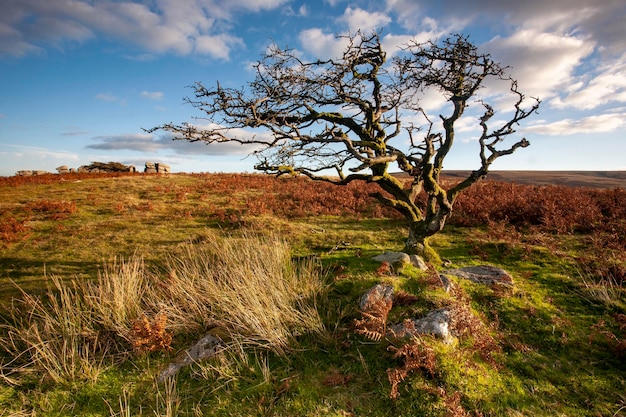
<point>400,258</point>
<point>483,274</point>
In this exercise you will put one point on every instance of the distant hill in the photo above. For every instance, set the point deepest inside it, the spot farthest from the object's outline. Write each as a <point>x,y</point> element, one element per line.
<point>595,179</point>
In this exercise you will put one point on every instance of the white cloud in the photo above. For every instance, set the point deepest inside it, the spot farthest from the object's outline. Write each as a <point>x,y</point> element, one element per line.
<point>607,85</point>
<point>106,97</point>
<point>302,11</point>
<point>152,95</point>
<point>157,25</point>
<point>142,142</point>
<point>359,19</point>
<point>150,143</point>
<point>322,45</point>
<point>602,123</point>
<point>542,63</point>
<point>218,46</point>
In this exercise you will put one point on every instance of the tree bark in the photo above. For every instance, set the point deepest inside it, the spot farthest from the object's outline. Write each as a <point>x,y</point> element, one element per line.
<point>417,241</point>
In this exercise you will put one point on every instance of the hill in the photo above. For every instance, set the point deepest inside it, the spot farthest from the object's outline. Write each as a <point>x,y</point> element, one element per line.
<point>594,179</point>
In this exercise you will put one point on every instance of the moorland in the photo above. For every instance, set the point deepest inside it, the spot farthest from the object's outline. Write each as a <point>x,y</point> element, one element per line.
<point>105,279</point>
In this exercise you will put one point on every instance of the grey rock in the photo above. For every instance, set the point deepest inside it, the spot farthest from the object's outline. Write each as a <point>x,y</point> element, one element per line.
<point>483,274</point>
<point>398,259</point>
<point>376,294</point>
<point>436,323</point>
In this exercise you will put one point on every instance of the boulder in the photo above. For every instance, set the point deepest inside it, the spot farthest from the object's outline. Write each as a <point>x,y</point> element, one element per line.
<point>483,274</point>
<point>63,169</point>
<point>150,168</point>
<point>162,168</point>
<point>376,294</point>
<point>399,259</point>
<point>435,323</point>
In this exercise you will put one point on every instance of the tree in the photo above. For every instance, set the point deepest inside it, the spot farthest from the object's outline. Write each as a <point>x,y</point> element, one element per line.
<point>340,120</point>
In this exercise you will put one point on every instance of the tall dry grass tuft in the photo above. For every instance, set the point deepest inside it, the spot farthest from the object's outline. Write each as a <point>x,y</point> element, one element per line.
<point>56,335</point>
<point>247,285</point>
<point>117,297</point>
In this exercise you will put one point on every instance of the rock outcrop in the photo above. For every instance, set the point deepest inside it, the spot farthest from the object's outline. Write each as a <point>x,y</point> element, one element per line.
<point>157,167</point>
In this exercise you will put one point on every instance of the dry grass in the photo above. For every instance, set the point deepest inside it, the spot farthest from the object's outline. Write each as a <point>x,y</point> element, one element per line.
<point>55,336</point>
<point>247,287</point>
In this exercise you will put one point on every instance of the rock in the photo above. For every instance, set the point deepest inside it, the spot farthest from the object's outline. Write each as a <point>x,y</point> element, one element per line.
<point>398,259</point>
<point>376,294</point>
<point>483,274</point>
<point>446,283</point>
<point>24,173</point>
<point>150,168</point>
<point>162,168</point>
<point>418,262</point>
<point>436,323</point>
<point>63,169</point>
<point>205,348</point>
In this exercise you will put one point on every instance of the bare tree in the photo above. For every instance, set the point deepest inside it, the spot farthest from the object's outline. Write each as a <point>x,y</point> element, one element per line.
<point>339,120</point>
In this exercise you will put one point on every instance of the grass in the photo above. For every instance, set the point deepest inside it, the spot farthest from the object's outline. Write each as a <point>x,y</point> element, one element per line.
<point>108,261</point>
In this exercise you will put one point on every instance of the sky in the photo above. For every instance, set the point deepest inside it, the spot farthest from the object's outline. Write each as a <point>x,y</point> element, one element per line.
<point>81,79</point>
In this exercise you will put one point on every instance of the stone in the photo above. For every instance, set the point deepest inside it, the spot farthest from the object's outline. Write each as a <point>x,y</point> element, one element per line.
<point>376,294</point>
<point>446,283</point>
<point>150,168</point>
<point>205,348</point>
<point>483,274</point>
<point>162,168</point>
<point>63,169</point>
<point>399,259</point>
<point>418,262</point>
<point>435,323</point>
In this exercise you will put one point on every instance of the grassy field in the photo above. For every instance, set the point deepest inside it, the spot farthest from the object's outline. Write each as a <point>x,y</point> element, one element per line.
<point>107,279</point>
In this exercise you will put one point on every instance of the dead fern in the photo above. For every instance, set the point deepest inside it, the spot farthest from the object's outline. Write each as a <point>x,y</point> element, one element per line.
<point>150,336</point>
<point>384,269</point>
<point>417,356</point>
<point>373,323</point>
<point>403,298</point>
<point>464,323</point>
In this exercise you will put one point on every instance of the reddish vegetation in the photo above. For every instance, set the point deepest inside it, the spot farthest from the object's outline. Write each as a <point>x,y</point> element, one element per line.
<point>506,209</point>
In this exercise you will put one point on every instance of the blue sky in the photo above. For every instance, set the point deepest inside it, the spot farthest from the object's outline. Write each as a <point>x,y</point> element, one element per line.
<point>79,79</point>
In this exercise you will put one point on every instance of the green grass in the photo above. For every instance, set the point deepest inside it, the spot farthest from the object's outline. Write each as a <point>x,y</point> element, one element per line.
<point>554,354</point>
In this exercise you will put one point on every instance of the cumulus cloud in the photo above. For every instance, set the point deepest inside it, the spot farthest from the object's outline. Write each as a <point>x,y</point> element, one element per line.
<point>302,11</point>
<point>322,45</point>
<point>359,19</point>
<point>152,95</point>
<point>606,85</point>
<point>158,26</point>
<point>111,98</point>
<point>542,63</point>
<point>546,42</point>
<point>106,97</point>
<point>601,123</point>
<point>151,143</point>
